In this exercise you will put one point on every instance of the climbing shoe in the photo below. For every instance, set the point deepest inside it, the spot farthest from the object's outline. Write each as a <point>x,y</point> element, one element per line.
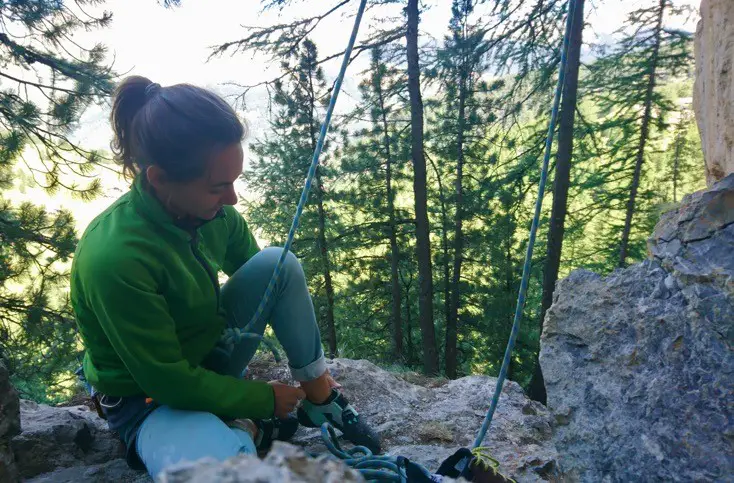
<point>275,429</point>
<point>265,431</point>
<point>337,411</point>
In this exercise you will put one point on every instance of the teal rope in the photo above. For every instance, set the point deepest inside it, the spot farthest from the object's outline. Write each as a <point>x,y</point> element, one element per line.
<point>234,335</point>
<point>533,230</point>
<point>389,468</point>
<point>372,467</point>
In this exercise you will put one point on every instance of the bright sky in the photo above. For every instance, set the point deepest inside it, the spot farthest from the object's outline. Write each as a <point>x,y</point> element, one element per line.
<point>172,45</point>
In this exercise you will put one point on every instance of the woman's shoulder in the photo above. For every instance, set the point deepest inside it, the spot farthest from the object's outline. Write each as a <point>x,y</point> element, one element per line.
<point>114,234</point>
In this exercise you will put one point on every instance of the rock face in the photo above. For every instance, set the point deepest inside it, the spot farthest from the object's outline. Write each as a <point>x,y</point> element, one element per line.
<point>425,420</point>
<point>429,420</point>
<point>638,366</point>
<point>54,438</point>
<point>713,97</point>
<point>284,463</point>
<point>9,424</point>
<point>695,242</point>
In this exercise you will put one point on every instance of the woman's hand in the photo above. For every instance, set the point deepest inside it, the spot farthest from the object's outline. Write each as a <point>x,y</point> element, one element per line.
<point>286,398</point>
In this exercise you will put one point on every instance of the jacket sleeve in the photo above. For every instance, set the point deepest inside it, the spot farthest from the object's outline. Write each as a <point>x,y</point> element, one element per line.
<point>241,245</point>
<point>135,318</point>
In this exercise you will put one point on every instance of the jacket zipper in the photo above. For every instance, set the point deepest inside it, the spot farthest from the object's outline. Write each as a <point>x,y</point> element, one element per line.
<point>200,259</point>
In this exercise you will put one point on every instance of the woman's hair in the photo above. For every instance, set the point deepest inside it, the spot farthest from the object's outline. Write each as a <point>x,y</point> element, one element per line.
<point>176,128</point>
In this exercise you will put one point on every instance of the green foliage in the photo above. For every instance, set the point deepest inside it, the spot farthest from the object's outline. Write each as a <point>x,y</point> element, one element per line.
<point>626,88</point>
<point>375,171</point>
<point>498,64</point>
<point>46,82</point>
<point>487,93</point>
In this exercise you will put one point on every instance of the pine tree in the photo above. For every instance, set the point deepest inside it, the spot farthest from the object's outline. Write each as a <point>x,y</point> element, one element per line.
<point>457,137</point>
<point>561,181</point>
<point>46,82</point>
<point>684,166</point>
<point>374,166</point>
<point>422,226</point>
<point>626,87</point>
<point>281,164</point>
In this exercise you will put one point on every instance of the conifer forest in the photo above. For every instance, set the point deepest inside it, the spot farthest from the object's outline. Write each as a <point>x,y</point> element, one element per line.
<point>415,232</point>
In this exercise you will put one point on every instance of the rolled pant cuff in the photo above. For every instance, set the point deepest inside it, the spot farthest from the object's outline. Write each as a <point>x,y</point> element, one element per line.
<point>310,371</point>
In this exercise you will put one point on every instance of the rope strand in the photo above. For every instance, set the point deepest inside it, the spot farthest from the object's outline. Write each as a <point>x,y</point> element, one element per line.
<point>235,334</point>
<point>533,230</point>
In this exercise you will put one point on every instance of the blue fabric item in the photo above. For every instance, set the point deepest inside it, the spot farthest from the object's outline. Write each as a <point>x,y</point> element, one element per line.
<point>289,310</point>
<point>169,436</point>
<point>158,435</point>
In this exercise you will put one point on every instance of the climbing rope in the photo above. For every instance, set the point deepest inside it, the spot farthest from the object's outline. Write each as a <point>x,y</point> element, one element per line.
<point>533,230</point>
<point>392,468</point>
<point>372,467</point>
<point>234,335</point>
<point>384,467</point>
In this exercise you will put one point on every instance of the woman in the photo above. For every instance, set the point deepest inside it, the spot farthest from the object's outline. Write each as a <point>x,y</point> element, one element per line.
<point>145,291</point>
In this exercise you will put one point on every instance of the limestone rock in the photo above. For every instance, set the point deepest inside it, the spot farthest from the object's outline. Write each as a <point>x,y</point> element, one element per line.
<point>114,471</point>
<point>713,97</point>
<point>9,424</point>
<point>639,366</point>
<point>696,241</point>
<point>427,423</point>
<point>54,438</point>
<point>284,463</point>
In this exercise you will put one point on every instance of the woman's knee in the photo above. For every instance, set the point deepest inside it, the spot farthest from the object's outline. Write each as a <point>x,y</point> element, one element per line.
<point>169,436</point>
<point>274,253</point>
<point>291,264</point>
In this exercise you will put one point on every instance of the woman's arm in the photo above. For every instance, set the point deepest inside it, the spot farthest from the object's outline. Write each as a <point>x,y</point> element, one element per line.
<point>136,319</point>
<point>241,245</point>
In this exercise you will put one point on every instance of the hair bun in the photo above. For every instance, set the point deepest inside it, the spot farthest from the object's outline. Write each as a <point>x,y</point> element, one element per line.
<point>151,90</point>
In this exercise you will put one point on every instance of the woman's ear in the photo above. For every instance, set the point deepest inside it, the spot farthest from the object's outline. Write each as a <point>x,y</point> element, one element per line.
<point>156,177</point>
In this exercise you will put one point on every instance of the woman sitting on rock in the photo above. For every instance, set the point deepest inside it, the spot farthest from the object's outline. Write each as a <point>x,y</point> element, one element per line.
<point>145,292</point>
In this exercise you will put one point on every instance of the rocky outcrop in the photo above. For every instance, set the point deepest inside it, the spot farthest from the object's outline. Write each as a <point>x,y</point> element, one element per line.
<point>639,366</point>
<point>284,463</point>
<point>9,424</point>
<point>423,419</point>
<point>695,242</point>
<point>713,97</point>
<point>56,438</point>
<point>427,420</point>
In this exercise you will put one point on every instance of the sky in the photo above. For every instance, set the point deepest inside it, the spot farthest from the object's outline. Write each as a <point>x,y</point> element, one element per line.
<point>172,45</point>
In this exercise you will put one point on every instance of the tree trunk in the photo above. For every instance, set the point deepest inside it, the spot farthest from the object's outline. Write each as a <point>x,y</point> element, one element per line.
<point>680,140</point>
<point>561,183</point>
<point>410,348</point>
<point>452,323</point>
<point>423,247</point>
<point>444,245</point>
<point>323,248</point>
<point>644,133</point>
<point>397,323</point>
<point>331,327</point>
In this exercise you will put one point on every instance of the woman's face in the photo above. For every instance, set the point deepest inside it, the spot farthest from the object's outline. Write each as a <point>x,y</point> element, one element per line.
<point>203,197</point>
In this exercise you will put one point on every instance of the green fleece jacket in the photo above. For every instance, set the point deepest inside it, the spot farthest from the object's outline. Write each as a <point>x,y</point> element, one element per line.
<point>146,298</point>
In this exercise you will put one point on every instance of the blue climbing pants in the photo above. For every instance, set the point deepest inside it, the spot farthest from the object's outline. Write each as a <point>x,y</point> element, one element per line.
<point>168,436</point>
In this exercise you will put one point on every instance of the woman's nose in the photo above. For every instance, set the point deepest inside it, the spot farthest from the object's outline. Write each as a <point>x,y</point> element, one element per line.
<point>230,197</point>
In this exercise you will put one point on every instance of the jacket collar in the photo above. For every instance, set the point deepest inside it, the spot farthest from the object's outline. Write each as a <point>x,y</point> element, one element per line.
<point>148,206</point>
